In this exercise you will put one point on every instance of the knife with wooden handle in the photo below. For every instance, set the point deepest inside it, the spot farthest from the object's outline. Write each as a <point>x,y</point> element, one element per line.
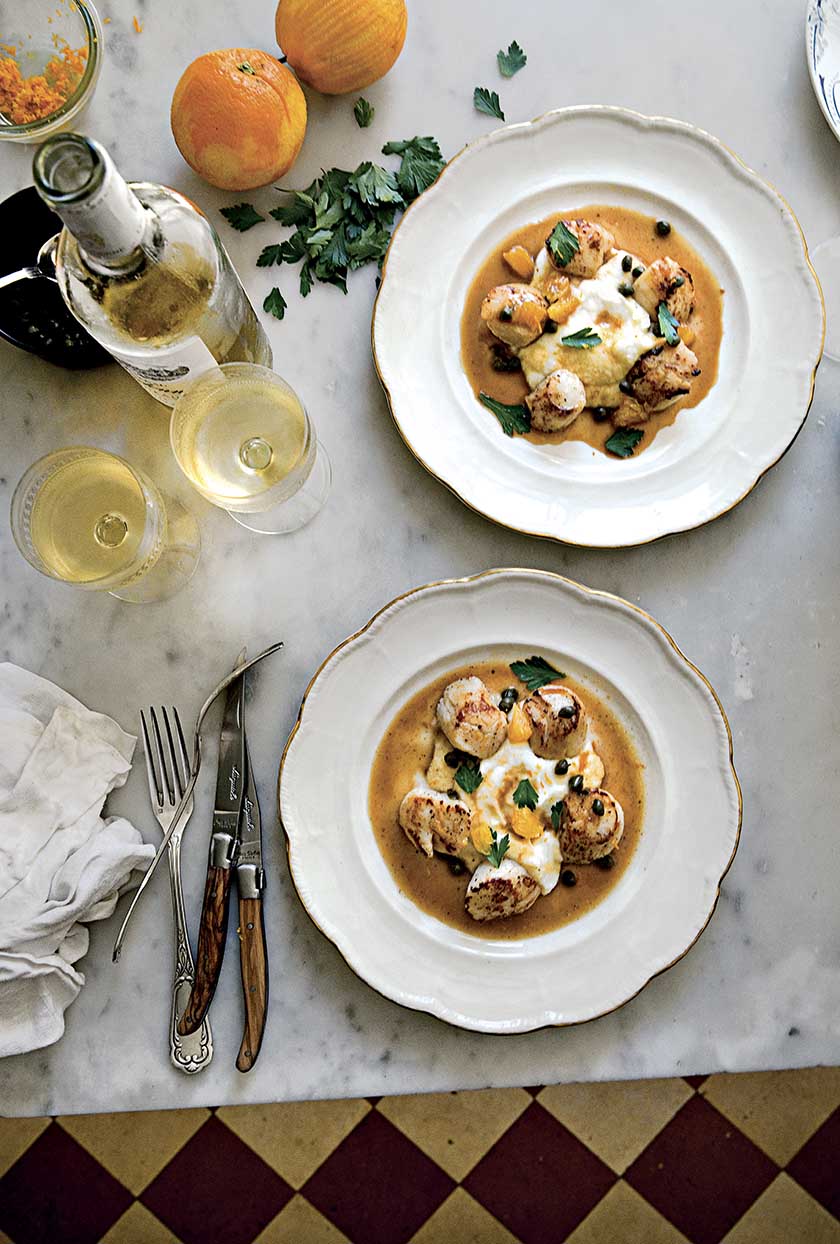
<point>253,955</point>
<point>224,848</point>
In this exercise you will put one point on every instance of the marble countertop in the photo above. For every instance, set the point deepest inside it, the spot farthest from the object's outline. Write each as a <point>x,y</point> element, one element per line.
<point>752,598</point>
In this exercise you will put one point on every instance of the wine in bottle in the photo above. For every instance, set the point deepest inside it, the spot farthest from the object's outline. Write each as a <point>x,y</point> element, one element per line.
<point>144,271</point>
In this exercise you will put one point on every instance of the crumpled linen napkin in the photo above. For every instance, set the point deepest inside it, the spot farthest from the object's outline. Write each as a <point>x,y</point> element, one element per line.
<point>61,863</point>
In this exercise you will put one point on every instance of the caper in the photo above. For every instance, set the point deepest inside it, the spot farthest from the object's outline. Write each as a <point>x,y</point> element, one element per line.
<point>677,282</point>
<point>626,387</point>
<point>453,759</point>
<point>606,862</point>
<point>600,413</point>
<point>505,314</point>
<point>598,807</point>
<point>561,767</point>
<point>576,784</point>
<point>551,326</point>
<point>627,263</point>
<point>625,289</point>
<point>568,710</point>
<point>568,878</point>
<point>456,866</point>
<point>452,793</point>
<point>637,272</point>
<point>663,228</point>
<point>508,698</point>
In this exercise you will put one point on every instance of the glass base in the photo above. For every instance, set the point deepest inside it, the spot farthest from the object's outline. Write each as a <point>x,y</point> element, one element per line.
<point>176,564</point>
<point>826,260</point>
<point>299,509</point>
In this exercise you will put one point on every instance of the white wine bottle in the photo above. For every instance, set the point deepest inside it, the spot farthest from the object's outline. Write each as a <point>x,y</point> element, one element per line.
<point>144,271</point>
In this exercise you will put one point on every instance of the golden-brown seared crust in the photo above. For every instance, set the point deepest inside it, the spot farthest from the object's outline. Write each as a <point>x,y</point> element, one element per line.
<point>469,718</point>
<point>585,834</point>
<point>496,893</point>
<point>662,375</point>
<point>595,244</point>
<point>433,821</point>
<point>666,281</point>
<point>556,401</point>
<point>516,314</point>
<point>559,722</point>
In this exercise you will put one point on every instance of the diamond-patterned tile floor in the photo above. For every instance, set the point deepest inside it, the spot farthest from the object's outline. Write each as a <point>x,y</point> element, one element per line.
<point>751,1159</point>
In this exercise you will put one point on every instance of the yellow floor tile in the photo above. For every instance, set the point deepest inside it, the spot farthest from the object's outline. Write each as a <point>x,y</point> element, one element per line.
<point>138,1226</point>
<point>300,1223</point>
<point>785,1213</point>
<point>461,1220</point>
<point>295,1137</point>
<point>779,1110</point>
<point>136,1145</point>
<point>455,1129</point>
<point>616,1120</point>
<point>623,1217</point>
<point>16,1135</point>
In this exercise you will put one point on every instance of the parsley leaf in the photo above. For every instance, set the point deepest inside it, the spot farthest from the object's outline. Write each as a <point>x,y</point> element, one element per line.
<point>243,216</point>
<point>468,776</point>
<point>499,849</point>
<point>583,339</point>
<point>556,813</point>
<point>668,325</point>
<point>271,254</point>
<point>375,184</point>
<point>536,672</point>
<point>512,418</point>
<point>487,102</point>
<point>420,165</point>
<point>275,303</point>
<point>363,112</point>
<point>525,796</point>
<point>511,61</point>
<point>562,244</point>
<point>624,441</point>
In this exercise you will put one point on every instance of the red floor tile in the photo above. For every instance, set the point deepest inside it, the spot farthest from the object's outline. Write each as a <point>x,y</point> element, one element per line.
<point>701,1172</point>
<point>695,1081</point>
<point>56,1192</point>
<point>377,1186</point>
<point>538,1179</point>
<point>817,1165</point>
<point>216,1188</point>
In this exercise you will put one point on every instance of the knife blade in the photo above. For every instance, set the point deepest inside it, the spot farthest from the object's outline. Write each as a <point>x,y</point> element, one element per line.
<point>253,953</point>
<point>224,843</point>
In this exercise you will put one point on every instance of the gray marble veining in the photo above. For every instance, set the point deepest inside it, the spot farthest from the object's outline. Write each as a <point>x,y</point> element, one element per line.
<point>752,598</point>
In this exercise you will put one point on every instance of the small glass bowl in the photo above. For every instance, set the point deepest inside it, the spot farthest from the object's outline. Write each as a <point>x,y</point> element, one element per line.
<point>40,29</point>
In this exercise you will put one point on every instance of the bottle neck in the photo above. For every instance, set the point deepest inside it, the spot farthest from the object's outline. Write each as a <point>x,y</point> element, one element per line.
<point>78,180</point>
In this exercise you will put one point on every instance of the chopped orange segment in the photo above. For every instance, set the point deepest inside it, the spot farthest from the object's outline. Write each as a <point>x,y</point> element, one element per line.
<point>519,727</point>
<point>687,334</point>
<point>138,25</point>
<point>560,310</point>
<point>481,837</point>
<point>525,823</point>
<point>519,261</point>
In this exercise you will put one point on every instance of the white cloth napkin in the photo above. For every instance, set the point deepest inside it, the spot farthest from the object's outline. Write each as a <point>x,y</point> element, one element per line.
<point>60,862</point>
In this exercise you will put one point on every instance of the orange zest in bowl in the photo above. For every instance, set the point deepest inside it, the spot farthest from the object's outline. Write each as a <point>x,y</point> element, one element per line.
<point>23,100</point>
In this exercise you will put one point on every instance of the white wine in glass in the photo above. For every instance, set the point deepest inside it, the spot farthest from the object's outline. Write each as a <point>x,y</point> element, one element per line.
<point>86,517</point>
<point>241,435</point>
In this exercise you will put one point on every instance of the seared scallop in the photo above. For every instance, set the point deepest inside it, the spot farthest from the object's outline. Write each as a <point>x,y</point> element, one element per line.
<point>556,402</point>
<point>515,314</point>
<point>666,281</point>
<point>595,243</point>
<point>469,718</point>
<point>434,821</point>
<point>591,825</point>
<point>630,413</point>
<point>559,722</point>
<point>495,893</point>
<point>662,375</point>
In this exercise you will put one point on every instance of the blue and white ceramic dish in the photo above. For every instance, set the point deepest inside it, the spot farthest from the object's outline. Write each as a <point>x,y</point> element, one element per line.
<point>822,48</point>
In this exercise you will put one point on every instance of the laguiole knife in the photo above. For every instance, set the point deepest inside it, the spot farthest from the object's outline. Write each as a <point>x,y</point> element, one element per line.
<point>230,791</point>
<point>253,956</point>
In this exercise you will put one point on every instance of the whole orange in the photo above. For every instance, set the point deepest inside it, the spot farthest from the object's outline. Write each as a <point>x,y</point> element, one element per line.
<point>238,117</point>
<point>341,45</point>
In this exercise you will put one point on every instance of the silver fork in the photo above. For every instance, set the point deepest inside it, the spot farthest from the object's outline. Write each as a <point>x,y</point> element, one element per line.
<point>168,771</point>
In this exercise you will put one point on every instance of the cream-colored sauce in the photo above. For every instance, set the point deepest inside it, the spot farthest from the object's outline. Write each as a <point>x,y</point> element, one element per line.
<point>407,747</point>
<point>633,232</point>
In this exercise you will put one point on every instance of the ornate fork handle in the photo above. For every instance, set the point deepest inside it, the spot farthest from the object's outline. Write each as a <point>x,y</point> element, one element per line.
<point>189,1053</point>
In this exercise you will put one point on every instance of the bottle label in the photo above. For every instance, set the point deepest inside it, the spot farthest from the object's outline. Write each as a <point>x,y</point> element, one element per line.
<point>109,225</point>
<point>166,373</point>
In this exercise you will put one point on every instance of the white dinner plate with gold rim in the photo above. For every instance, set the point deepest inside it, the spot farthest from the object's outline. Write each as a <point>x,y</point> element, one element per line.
<point>714,453</point>
<point>662,901</point>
